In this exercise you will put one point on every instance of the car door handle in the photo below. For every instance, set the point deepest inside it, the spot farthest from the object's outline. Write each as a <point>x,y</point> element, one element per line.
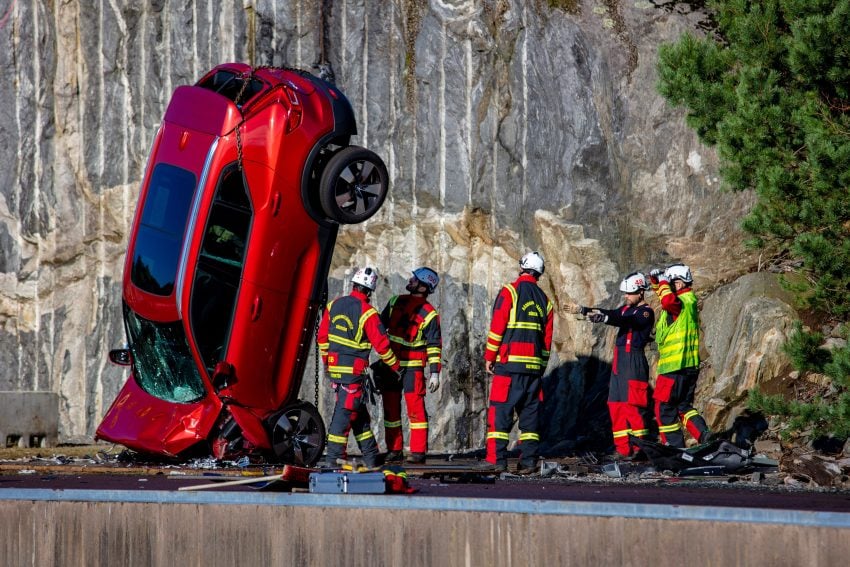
<point>256,307</point>
<point>276,203</point>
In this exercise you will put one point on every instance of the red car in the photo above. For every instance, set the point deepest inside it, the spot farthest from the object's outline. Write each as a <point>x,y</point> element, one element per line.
<point>249,177</point>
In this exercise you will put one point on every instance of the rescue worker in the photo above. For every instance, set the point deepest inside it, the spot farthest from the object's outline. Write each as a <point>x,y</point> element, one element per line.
<point>413,326</point>
<point>677,335</point>
<point>628,392</point>
<point>350,328</point>
<point>517,351</point>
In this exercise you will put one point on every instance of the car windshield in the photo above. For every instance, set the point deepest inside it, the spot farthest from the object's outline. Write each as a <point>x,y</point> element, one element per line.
<point>160,235</point>
<point>163,363</point>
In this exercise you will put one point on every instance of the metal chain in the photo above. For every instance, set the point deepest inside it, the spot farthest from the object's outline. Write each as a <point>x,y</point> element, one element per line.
<point>316,384</point>
<point>246,79</point>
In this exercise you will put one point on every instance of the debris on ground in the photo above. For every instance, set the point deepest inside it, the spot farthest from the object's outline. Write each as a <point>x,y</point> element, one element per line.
<point>805,467</point>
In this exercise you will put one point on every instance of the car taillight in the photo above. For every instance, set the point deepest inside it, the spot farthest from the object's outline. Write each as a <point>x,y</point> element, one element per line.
<point>294,120</point>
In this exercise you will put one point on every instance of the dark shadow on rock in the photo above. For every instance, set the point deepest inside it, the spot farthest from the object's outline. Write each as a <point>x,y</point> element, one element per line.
<point>575,408</point>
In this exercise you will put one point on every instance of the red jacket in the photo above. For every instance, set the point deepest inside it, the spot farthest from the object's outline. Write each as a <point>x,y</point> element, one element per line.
<point>413,326</point>
<point>520,337</point>
<point>350,328</point>
<point>669,297</point>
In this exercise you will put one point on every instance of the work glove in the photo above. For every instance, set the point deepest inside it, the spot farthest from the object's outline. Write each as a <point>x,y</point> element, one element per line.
<point>434,382</point>
<point>598,318</point>
<point>575,309</point>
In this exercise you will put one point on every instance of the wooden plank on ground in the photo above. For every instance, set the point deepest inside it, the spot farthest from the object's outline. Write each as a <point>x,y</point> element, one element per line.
<point>253,480</point>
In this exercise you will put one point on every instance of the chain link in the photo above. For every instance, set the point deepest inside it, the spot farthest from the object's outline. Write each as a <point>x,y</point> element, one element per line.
<point>322,306</point>
<point>316,384</point>
<point>246,80</point>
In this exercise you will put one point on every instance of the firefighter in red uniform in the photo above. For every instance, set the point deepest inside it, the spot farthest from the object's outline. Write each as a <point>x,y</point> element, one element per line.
<point>628,392</point>
<point>677,336</point>
<point>413,326</point>
<point>350,328</point>
<point>517,351</point>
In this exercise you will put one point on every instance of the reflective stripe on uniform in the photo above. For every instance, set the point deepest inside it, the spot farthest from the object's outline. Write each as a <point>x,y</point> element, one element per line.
<point>392,424</point>
<point>621,433</point>
<point>415,344</point>
<point>527,326</point>
<point>503,435</point>
<point>689,415</point>
<point>337,439</point>
<point>345,342</point>
<point>669,428</point>
<point>363,436</point>
<point>389,358</point>
<point>529,437</point>
<point>525,359</point>
<point>419,425</point>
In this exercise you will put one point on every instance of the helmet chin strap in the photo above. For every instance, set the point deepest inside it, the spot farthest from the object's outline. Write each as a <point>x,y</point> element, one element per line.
<point>418,288</point>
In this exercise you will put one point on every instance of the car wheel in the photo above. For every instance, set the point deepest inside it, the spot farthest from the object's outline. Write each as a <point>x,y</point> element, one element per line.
<point>298,434</point>
<point>354,185</point>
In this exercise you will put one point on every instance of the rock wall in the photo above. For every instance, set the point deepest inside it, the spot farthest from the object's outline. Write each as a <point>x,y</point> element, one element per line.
<point>506,125</point>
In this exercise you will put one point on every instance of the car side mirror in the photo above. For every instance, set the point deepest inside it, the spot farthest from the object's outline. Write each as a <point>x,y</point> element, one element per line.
<point>222,374</point>
<point>120,356</point>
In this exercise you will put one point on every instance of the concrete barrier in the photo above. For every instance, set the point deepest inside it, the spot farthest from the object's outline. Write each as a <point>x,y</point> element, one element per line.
<point>126,529</point>
<point>29,419</point>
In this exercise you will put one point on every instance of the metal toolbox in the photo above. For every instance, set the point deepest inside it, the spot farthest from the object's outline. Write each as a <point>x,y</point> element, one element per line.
<point>347,483</point>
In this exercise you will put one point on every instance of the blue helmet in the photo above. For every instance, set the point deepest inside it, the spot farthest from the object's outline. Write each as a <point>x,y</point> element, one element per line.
<point>428,277</point>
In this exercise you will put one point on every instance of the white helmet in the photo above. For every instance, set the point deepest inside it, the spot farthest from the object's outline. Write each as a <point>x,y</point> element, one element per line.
<point>428,277</point>
<point>634,283</point>
<point>533,261</point>
<point>367,277</point>
<point>678,272</point>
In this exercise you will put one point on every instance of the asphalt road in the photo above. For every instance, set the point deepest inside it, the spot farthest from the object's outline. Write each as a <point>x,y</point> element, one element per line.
<point>670,491</point>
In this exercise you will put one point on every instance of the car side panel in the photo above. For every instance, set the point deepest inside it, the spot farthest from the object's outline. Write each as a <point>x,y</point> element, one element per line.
<point>283,260</point>
<point>253,349</point>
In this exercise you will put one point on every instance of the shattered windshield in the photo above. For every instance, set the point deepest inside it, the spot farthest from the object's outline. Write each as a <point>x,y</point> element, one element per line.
<point>164,366</point>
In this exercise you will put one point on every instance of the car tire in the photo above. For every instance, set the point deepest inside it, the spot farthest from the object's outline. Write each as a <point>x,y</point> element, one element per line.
<point>298,434</point>
<point>354,185</point>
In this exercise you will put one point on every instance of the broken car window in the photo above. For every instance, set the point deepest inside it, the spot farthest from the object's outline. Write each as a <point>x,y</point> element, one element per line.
<point>164,367</point>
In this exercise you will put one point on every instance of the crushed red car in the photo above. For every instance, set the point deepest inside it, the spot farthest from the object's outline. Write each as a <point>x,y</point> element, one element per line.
<point>249,178</point>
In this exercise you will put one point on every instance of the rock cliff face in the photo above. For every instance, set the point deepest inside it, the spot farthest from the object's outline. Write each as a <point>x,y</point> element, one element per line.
<point>506,125</point>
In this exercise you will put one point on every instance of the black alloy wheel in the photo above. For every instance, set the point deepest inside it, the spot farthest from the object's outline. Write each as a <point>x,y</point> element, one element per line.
<point>298,434</point>
<point>354,185</point>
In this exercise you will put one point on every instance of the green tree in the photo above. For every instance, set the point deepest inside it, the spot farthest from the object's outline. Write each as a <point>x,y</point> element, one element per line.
<point>771,91</point>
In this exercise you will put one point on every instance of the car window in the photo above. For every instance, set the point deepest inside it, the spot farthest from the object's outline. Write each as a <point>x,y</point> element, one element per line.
<point>229,84</point>
<point>163,363</point>
<point>219,269</point>
<point>160,234</point>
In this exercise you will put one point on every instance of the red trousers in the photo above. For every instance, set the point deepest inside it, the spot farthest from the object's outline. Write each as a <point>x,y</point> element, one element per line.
<point>625,419</point>
<point>413,382</point>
